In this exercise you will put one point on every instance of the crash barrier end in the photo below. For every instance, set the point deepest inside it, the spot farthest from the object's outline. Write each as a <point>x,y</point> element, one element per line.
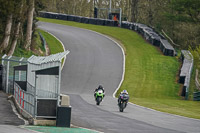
<point>63,116</point>
<point>65,100</point>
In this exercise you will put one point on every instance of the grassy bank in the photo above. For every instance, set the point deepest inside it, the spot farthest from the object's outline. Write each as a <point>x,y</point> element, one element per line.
<point>37,45</point>
<point>53,44</point>
<point>150,77</point>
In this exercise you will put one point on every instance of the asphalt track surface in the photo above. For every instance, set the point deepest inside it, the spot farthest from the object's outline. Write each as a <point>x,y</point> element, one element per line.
<point>94,59</point>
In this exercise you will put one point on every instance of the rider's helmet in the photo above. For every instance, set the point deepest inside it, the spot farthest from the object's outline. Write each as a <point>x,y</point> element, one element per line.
<point>125,92</point>
<point>100,87</point>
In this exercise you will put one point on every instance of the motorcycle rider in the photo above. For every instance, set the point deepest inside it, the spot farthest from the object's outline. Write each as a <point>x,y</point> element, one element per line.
<point>124,93</point>
<point>99,88</point>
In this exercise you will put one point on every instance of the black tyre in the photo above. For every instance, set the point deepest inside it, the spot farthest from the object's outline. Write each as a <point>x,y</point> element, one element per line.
<point>121,106</point>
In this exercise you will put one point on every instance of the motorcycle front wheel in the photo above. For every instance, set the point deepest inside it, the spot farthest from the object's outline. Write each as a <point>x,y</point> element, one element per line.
<point>98,100</point>
<point>121,106</point>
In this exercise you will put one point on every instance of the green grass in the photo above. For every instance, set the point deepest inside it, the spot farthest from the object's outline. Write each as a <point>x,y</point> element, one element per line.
<point>21,52</point>
<point>36,45</point>
<point>54,45</point>
<point>150,77</point>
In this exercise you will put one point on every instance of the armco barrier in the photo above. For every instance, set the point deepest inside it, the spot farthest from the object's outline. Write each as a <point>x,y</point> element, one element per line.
<point>196,96</point>
<point>151,36</point>
<point>186,71</point>
<point>71,18</point>
<point>101,22</point>
<point>78,19</point>
<point>25,100</point>
<point>84,20</point>
<point>92,21</point>
<point>63,16</point>
<point>166,48</point>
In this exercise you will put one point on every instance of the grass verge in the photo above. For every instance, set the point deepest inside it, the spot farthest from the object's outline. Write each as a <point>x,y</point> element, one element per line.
<point>53,44</point>
<point>150,77</point>
<point>38,48</point>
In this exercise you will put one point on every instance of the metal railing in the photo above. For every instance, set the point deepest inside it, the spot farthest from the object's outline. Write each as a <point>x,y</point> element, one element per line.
<point>26,100</point>
<point>8,63</point>
<point>34,105</point>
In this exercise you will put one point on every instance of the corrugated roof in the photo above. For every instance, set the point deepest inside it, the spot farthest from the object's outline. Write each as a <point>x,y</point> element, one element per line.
<point>46,59</point>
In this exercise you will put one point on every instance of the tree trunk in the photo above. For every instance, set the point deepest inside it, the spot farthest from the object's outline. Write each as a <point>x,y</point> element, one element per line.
<point>6,39</point>
<point>134,10</point>
<point>14,43</point>
<point>29,25</point>
<point>150,13</point>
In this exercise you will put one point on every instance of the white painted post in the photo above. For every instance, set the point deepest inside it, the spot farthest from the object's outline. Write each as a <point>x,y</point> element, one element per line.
<point>7,74</point>
<point>20,71</point>
<point>59,82</point>
<point>120,16</point>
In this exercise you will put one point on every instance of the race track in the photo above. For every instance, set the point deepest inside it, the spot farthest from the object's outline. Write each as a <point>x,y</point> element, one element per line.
<point>93,60</point>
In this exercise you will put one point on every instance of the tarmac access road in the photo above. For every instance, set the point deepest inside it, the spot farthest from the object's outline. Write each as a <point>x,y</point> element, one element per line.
<point>9,121</point>
<point>94,59</point>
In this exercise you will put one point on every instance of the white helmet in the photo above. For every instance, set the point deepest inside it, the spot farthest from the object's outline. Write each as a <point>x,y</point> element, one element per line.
<point>125,91</point>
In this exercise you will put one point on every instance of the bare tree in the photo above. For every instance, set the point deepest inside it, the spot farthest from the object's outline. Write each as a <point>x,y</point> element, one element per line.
<point>14,42</point>
<point>6,38</point>
<point>17,29</point>
<point>134,10</point>
<point>29,25</point>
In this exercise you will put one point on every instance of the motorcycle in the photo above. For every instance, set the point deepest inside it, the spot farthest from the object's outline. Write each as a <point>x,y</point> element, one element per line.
<point>123,102</point>
<point>99,96</point>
